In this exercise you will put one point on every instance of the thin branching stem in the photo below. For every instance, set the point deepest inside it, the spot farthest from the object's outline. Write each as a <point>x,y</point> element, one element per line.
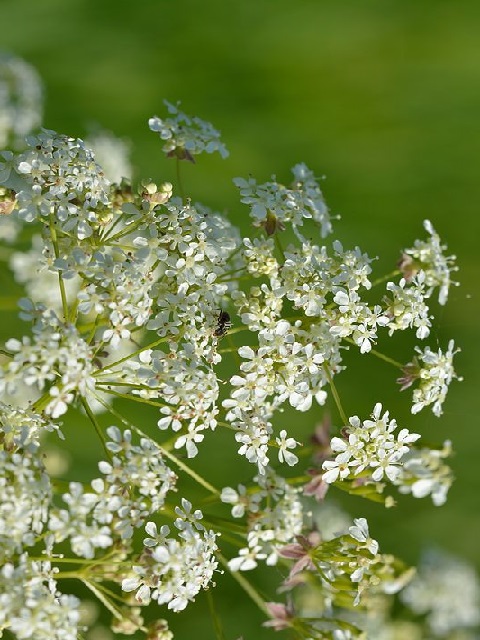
<point>336,396</point>
<point>246,586</point>
<point>94,421</point>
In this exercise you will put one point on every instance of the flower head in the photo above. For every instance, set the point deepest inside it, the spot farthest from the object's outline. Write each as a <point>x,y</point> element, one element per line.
<point>186,136</point>
<point>428,256</point>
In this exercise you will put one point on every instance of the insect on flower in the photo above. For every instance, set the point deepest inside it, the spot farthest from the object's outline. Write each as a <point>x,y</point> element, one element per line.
<point>223,324</point>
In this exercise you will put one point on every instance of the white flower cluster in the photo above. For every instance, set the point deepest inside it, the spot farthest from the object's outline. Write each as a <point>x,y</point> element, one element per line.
<point>25,486</point>
<point>447,591</point>
<point>145,284</point>
<point>55,354</point>
<point>190,247</point>
<point>57,176</point>
<point>276,517</point>
<point>26,494</point>
<point>22,428</point>
<point>20,100</point>
<point>93,520</point>
<point>346,567</point>
<point>424,472</point>
<point>371,446</point>
<point>282,367</point>
<point>435,375</point>
<point>31,606</point>
<point>407,308</point>
<point>172,571</point>
<point>294,360</point>
<point>186,136</point>
<point>273,205</point>
<point>427,256</point>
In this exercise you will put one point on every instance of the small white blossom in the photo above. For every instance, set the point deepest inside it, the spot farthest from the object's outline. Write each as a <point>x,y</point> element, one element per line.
<point>360,532</point>
<point>26,496</point>
<point>285,444</point>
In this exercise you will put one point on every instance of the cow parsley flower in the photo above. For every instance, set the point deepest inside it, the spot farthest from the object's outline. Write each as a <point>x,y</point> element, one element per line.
<point>428,256</point>
<point>31,606</point>
<point>406,306</point>
<point>277,520</point>
<point>55,354</point>
<point>285,444</point>
<point>186,136</point>
<point>272,205</point>
<point>20,100</point>
<point>447,591</point>
<point>26,496</point>
<point>424,472</point>
<point>434,372</point>
<point>171,570</point>
<point>241,499</point>
<point>93,519</point>
<point>371,445</point>
<point>359,531</point>
<point>22,428</point>
<point>58,175</point>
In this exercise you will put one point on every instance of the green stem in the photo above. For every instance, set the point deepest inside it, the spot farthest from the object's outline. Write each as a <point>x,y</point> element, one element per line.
<point>124,396</point>
<point>68,575</point>
<point>377,354</point>
<point>105,237</point>
<point>56,559</point>
<point>39,405</point>
<point>335,395</point>
<point>279,246</point>
<point>215,619</point>
<point>113,610</point>
<point>63,294</point>
<point>226,274</point>
<point>94,421</point>
<point>108,592</point>
<point>132,355</point>
<point>164,451</point>
<point>179,178</point>
<point>94,330</point>
<point>126,231</point>
<point>246,586</point>
<point>193,474</point>
<point>392,274</point>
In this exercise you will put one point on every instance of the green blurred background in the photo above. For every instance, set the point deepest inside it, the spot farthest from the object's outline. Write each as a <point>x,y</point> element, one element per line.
<point>381,96</point>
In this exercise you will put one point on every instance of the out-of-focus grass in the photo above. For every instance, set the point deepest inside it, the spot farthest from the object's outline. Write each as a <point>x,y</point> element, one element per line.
<point>381,96</point>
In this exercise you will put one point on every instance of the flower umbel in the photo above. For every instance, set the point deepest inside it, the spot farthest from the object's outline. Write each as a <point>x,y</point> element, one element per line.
<point>155,333</point>
<point>186,136</point>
